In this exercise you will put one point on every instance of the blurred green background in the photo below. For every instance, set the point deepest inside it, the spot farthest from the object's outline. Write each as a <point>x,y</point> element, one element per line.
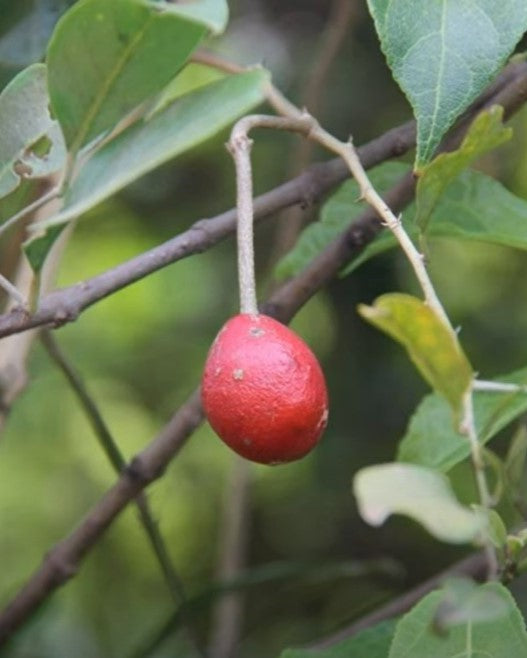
<point>141,352</point>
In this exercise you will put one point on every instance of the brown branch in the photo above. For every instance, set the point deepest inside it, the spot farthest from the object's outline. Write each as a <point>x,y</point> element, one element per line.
<point>342,14</point>
<point>65,304</point>
<point>118,462</point>
<point>474,566</point>
<point>62,562</point>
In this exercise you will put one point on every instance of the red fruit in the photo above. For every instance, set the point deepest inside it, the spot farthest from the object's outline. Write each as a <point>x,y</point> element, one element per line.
<point>263,390</point>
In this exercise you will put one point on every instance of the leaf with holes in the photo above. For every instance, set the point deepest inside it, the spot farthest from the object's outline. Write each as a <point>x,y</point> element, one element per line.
<point>419,493</point>
<point>106,58</point>
<point>31,144</point>
<point>432,347</point>
<point>443,54</point>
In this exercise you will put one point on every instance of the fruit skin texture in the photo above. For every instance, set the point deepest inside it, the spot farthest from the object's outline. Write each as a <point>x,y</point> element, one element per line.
<point>263,390</point>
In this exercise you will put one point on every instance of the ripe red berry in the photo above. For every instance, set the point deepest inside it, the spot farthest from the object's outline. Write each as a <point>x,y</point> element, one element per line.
<point>263,390</point>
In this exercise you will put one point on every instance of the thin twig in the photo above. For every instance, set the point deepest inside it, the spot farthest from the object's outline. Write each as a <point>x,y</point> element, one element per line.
<point>368,193</point>
<point>118,462</point>
<point>63,560</point>
<point>32,207</point>
<point>15,350</point>
<point>337,27</point>
<point>341,15</point>
<point>497,387</point>
<point>474,566</point>
<point>239,146</point>
<point>308,126</point>
<point>64,305</point>
<point>227,616</point>
<point>468,428</point>
<point>12,291</point>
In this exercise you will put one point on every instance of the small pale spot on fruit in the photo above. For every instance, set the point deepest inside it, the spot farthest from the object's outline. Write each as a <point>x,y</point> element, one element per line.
<point>237,374</point>
<point>256,331</point>
<point>323,417</point>
<point>217,371</point>
<point>247,442</point>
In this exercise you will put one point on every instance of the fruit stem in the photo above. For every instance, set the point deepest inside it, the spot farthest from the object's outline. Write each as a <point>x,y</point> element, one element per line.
<point>296,120</point>
<point>240,149</point>
<point>239,146</point>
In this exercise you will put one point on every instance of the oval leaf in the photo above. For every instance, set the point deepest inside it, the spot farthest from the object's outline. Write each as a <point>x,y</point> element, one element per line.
<point>432,347</point>
<point>106,58</point>
<point>148,144</point>
<point>485,133</point>
<point>474,207</point>
<point>485,621</point>
<point>335,217</point>
<point>419,493</point>
<point>444,53</point>
<point>31,144</point>
<point>431,440</point>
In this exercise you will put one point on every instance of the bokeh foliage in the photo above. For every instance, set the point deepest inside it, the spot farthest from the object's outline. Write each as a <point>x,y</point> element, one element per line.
<point>141,353</point>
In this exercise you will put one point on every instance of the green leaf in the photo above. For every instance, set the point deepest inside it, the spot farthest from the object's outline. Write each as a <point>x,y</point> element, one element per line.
<point>496,530</point>
<point>516,458</point>
<point>371,643</point>
<point>37,250</point>
<point>13,203</point>
<point>443,54</point>
<point>464,601</point>
<point>432,347</point>
<point>106,58</point>
<point>431,440</point>
<point>151,142</point>
<point>501,635</point>
<point>475,207</point>
<point>419,493</point>
<point>485,133</point>
<point>31,144</point>
<point>342,208</point>
<point>190,79</point>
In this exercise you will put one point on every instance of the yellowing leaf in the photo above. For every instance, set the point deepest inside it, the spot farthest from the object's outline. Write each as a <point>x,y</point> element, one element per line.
<point>435,351</point>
